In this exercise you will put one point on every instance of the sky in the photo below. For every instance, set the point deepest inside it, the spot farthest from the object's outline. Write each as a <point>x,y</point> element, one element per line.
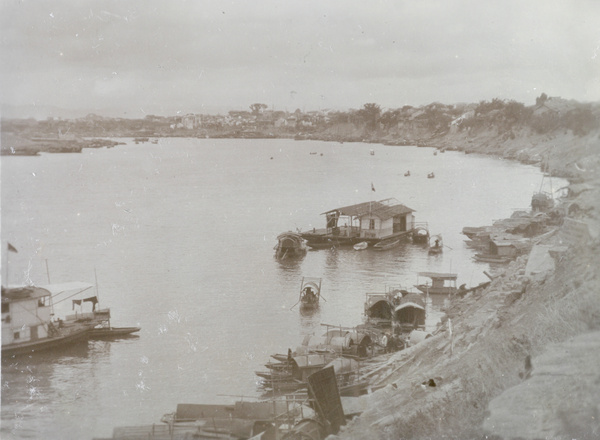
<point>132,58</point>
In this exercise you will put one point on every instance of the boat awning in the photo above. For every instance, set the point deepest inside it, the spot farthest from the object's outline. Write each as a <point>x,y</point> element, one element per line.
<point>409,304</point>
<point>57,289</point>
<point>379,209</point>
<point>310,361</point>
<point>438,275</point>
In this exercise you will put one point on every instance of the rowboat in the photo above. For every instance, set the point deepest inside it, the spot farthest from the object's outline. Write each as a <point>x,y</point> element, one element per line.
<point>384,245</point>
<point>436,244</point>
<point>361,246</point>
<point>310,293</point>
<point>113,332</point>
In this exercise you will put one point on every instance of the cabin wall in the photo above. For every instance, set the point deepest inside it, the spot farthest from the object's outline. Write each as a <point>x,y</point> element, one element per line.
<point>364,226</point>
<point>21,317</point>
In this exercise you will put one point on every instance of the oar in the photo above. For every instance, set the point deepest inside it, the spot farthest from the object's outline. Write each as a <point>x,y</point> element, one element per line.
<point>294,305</point>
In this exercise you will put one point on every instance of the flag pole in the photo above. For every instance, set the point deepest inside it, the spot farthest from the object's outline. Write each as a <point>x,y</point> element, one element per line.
<point>7,266</point>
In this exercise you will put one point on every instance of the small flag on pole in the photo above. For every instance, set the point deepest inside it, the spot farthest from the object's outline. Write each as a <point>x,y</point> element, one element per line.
<point>11,248</point>
<point>372,187</point>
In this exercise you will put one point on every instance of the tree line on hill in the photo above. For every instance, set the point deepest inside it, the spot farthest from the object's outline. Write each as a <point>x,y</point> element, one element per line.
<point>369,122</point>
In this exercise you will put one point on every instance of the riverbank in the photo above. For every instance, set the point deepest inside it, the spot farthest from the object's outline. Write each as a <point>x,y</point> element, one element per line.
<point>518,359</point>
<point>14,145</point>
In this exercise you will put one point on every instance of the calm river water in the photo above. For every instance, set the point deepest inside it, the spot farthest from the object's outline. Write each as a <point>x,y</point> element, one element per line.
<point>180,236</point>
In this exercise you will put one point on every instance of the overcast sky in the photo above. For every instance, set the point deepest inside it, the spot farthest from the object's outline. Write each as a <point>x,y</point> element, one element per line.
<point>134,58</point>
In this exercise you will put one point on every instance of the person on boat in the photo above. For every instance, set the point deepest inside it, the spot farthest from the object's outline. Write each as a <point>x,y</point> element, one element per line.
<point>384,341</point>
<point>310,295</point>
<point>437,243</point>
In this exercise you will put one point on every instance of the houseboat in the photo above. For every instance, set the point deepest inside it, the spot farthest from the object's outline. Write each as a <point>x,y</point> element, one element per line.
<point>28,326</point>
<point>370,222</point>
<point>502,250</point>
<point>441,283</point>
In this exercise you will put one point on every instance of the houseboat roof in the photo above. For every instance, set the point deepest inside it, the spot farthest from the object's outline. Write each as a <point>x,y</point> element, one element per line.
<point>23,293</point>
<point>382,209</point>
<point>438,275</point>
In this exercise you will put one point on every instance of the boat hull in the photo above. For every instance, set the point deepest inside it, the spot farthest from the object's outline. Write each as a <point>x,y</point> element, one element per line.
<point>73,337</point>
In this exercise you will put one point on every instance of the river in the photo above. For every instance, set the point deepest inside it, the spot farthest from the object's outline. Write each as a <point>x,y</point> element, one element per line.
<point>180,237</point>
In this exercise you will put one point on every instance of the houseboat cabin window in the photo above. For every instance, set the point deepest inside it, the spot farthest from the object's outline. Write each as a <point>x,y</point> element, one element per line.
<point>372,223</point>
<point>5,307</point>
<point>17,335</point>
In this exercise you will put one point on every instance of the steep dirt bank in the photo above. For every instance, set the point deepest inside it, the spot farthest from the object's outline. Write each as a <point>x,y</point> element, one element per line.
<point>502,368</point>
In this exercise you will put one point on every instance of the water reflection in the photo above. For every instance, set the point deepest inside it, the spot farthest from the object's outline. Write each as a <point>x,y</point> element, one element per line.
<point>310,320</point>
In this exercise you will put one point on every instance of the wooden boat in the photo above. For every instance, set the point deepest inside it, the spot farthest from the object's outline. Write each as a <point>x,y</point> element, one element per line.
<point>410,313</point>
<point>430,175</point>
<point>489,258</point>
<point>384,245</point>
<point>436,244</point>
<point>290,245</point>
<point>27,324</point>
<point>369,221</point>
<point>420,233</point>
<point>310,293</point>
<point>441,283</point>
<point>407,174</point>
<point>476,231</point>
<point>379,307</point>
<point>113,332</point>
<point>361,246</point>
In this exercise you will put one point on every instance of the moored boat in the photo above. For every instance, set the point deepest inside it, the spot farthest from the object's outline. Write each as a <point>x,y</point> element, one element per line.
<point>441,283</point>
<point>384,245</point>
<point>361,246</point>
<point>420,233</point>
<point>290,245</point>
<point>28,326</point>
<point>113,332</point>
<point>409,314</point>
<point>369,222</point>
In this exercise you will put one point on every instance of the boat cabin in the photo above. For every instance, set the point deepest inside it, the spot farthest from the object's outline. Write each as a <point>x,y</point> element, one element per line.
<point>442,283</point>
<point>410,313</point>
<point>370,220</point>
<point>507,248</point>
<point>26,314</point>
<point>379,307</point>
